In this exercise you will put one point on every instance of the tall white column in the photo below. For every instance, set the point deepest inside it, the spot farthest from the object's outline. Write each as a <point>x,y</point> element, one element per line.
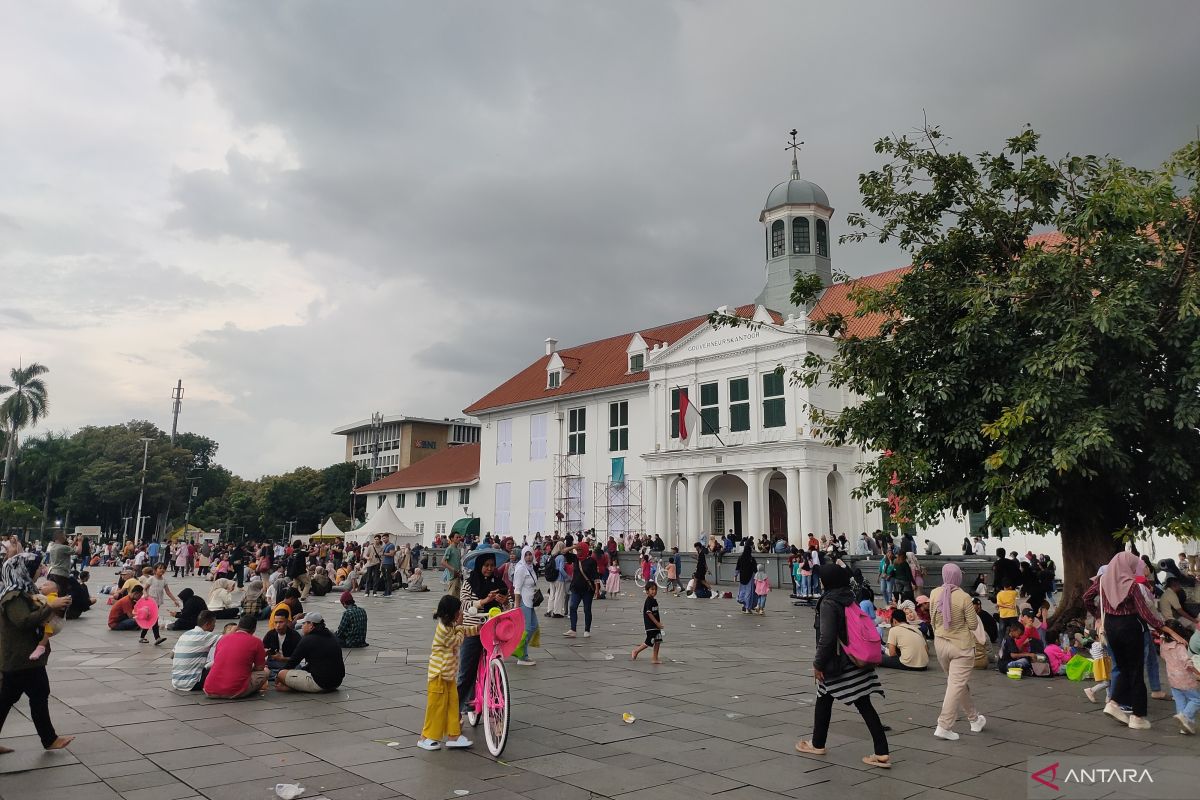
<point>810,519</point>
<point>821,495</point>
<point>794,533</point>
<point>691,533</point>
<point>661,517</point>
<point>650,506</point>
<point>752,526</point>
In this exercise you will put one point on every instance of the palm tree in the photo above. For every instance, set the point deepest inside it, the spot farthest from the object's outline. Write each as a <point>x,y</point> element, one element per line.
<point>25,405</point>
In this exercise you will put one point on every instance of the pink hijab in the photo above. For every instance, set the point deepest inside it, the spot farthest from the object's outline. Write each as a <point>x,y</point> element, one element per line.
<point>951,580</point>
<point>1118,580</point>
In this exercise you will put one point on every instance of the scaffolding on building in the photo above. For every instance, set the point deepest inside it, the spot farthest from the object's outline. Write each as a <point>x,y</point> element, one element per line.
<point>568,495</point>
<point>619,509</point>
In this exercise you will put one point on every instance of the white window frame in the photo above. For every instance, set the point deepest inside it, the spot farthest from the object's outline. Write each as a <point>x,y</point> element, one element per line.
<point>420,499</point>
<point>554,379</point>
<point>503,516</point>
<point>400,500</point>
<point>443,496</point>
<point>577,431</point>
<point>620,427</point>
<point>464,496</point>
<point>536,522</point>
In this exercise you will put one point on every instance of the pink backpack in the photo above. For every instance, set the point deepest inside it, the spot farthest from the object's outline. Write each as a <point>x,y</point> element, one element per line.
<point>862,644</point>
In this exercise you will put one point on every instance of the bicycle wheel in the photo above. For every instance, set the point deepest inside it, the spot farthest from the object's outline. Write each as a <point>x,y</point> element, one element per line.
<point>638,580</point>
<point>496,707</point>
<point>661,579</point>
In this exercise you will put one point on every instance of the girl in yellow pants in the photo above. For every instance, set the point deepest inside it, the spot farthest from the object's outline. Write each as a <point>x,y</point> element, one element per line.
<point>441,706</point>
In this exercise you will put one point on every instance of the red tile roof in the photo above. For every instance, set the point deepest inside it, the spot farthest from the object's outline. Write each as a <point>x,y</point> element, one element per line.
<point>595,365</point>
<point>836,299</point>
<point>454,465</point>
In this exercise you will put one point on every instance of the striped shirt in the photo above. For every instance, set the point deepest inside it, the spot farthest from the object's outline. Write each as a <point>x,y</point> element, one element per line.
<point>191,654</point>
<point>443,660</point>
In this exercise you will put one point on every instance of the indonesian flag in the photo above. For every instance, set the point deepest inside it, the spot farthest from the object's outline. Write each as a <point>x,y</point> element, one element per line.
<point>689,417</point>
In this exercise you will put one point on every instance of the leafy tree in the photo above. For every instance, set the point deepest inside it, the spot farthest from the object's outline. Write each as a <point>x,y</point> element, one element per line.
<point>16,514</point>
<point>46,463</point>
<point>26,403</point>
<point>1055,384</point>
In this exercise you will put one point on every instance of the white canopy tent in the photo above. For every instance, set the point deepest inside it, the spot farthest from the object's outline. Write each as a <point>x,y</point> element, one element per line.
<point>329,531</point>
<point>384,520</point>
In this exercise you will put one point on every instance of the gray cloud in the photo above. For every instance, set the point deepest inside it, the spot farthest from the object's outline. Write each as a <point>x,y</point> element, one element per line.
<point>462,180</point>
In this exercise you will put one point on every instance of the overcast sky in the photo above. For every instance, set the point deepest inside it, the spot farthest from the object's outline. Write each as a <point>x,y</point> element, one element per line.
<point>312,211</point>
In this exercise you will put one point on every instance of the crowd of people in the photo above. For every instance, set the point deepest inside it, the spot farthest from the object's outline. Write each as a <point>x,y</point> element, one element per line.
<point>1136,614</point>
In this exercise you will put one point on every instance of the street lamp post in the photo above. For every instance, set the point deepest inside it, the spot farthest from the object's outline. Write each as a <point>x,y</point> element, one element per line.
<point>142,492</point>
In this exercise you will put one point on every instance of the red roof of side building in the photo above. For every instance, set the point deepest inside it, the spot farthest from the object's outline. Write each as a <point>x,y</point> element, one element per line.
<point>452,466</point>
<point>595,365</point>
<point>836,299</point>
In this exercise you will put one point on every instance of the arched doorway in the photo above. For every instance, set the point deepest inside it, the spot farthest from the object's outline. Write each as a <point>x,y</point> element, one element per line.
<point>777,514</point>
<point>725,499</point>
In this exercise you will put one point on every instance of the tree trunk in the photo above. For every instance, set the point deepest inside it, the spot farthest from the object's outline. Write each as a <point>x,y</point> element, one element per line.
<point>5,489</point>
<point>1085,546</point>
<point>46,507</point>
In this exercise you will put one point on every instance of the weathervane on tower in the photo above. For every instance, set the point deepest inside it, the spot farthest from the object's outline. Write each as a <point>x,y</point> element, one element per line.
<point>795,148</point>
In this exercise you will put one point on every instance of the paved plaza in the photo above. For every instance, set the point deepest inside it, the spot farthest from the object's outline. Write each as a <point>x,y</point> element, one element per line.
<point>718,719</point>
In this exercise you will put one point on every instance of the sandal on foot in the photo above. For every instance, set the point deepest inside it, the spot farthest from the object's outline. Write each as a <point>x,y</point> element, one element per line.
<point>883,762</point>
<point>5,750</point>
<point>805,746</point>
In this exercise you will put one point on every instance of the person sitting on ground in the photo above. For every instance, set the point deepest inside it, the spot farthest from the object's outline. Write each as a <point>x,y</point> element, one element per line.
<point>1013,654</point>
<point>191,654</point>
<point>922,620</point>
<point>416,583</point>
<point>189,611</point>
<point>280,642</point>
<point>220,599</point>
<point>321,584</point>
<point>81,600</point>
<point>120,616</point>
<point>1170,605</point>
<point>1031,631</point>
<point>254,601</point>
<point>239,666</point>
<point>989,622</point>
<point>906,647</point>
<point>290,605</point>
<point>352,629</point>
<point>322,657</point>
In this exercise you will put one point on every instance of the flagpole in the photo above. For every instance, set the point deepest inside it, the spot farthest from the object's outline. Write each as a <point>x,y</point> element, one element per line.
<point>703,425</point>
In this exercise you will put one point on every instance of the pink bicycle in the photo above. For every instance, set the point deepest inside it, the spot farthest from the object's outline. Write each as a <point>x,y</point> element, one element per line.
<point>499,636</point>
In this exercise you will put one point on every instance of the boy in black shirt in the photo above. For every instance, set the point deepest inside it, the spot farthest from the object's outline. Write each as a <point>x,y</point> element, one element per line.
<point>654,627</point>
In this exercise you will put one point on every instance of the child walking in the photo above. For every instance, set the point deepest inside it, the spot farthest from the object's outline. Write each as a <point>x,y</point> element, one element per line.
<point>762,587</point>
<point>1101,667</point>
<point>654,628</point>
<point>441,705</point>
<point>1181,675</point>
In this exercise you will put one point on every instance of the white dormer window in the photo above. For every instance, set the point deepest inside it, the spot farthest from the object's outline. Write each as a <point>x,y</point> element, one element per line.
<point>635,354</point>
<point>637,363</point>
<point>554,379</point>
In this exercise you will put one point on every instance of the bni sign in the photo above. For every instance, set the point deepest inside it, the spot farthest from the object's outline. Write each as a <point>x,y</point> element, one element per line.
<point>1069,777</point>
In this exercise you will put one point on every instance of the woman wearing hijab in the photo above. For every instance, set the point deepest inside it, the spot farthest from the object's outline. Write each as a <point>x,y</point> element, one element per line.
<point>583,589</point>
<point>189,611</point>
<point>481,592</point>
<point>254,602</point>
<point>746,567</point>
<point>953,617</point>
<point>524,585</point>
<point>220,599</point>
<point>21,622</point>
<point>700,588</point>
<point>1120,602</point>
<point>837,676</point>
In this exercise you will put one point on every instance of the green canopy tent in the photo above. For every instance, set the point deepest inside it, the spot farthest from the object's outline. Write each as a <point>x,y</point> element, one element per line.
<point>467,526</point>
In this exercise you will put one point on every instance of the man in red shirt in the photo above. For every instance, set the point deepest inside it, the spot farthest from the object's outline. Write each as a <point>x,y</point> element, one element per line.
<point>239,664</point>
<point>120,616</point>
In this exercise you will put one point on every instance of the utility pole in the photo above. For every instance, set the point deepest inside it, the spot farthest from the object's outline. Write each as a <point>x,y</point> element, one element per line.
<point>142,493</point>
<point>376,431</point>
<point>188,514</point>
<point>177,396</point>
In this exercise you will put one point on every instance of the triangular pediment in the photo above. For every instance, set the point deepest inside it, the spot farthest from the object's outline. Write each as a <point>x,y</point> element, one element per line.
<point>706,340</point>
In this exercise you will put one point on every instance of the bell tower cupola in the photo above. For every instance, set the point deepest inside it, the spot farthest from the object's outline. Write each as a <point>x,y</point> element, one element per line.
<point>796,227</point>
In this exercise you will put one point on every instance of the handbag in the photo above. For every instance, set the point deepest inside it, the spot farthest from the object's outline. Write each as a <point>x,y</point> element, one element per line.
<point>538,598</point>
<point>1041,669</point>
